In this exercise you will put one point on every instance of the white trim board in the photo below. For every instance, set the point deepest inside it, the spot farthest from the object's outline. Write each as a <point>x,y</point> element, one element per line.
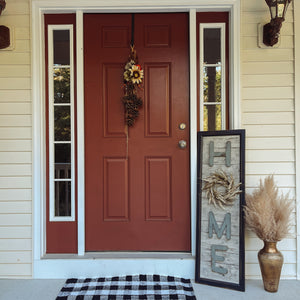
<point>136,5</point>
<point>297,124</point>
<point>193,125</point>
<point>80,134</point>
<point>59,268</point>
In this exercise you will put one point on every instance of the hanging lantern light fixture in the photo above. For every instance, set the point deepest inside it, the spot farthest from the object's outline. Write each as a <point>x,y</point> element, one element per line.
<point>4,31</point>
<point>271,30</point>
<point>2,6</point>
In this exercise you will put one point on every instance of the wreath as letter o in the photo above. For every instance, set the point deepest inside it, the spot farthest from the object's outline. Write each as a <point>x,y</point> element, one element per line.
<point>217,197</point>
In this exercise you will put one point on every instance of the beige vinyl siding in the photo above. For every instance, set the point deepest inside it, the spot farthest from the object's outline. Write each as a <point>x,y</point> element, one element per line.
<point>267,92</point>
<point>267,100</point>
<point>16,146</point>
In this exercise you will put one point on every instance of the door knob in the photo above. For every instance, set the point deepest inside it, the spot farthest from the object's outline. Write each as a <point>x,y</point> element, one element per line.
<point>182,144</point>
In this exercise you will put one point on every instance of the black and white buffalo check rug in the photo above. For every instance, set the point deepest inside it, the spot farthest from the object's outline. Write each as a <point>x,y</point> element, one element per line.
<point>127,287</point>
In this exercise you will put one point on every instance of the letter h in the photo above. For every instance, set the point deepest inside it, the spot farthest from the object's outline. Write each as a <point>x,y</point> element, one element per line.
<point>226,154</point>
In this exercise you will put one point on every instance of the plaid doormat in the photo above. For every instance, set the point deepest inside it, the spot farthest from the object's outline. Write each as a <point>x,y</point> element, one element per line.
<point>127,287</point>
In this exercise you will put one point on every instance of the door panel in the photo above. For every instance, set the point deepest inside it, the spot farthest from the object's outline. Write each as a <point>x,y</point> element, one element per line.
<point>137,188</point>
<point>158,109</point>
<point>113,125</point>
<point>158,188</point>
<point>115,189</point>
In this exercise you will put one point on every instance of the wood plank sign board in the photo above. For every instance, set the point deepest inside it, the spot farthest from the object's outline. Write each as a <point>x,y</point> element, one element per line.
<point>220,256</point>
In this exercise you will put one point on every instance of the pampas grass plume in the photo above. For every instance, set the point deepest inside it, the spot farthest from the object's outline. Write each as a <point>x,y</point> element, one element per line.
<point>267,213</point>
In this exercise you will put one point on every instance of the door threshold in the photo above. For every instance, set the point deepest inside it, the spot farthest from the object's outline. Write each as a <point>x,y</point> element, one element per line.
<point>122,255</point>
<point>108,264</point>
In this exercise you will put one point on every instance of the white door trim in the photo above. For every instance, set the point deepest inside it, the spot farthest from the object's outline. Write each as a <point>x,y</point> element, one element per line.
<point>42,267</point>
<point>80,135</point>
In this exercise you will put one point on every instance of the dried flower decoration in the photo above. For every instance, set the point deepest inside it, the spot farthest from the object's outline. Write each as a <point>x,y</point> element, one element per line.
<point>133,77</point>
<point>137,74</point>
<point>221,190</point>
<point>267,213</point>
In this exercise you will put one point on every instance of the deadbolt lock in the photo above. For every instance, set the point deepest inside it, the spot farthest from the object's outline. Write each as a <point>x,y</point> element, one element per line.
<point>182,126</point>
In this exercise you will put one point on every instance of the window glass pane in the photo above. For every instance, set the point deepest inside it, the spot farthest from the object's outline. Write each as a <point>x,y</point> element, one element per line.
<point>63,198</point>
<point>212,117</point>
<point>62,161</point>
<point>281,10</point>
<point>212,84</point>
<point>62,123</point>
<point>61,103</point>
<point>61,47</point>
<point>61,77</point>
<point>212,45</point>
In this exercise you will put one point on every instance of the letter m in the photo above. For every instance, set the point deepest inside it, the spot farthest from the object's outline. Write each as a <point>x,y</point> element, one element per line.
<point>213,226</point>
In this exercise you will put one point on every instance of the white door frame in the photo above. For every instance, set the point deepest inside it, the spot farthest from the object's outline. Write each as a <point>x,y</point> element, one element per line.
<point>60,266</point>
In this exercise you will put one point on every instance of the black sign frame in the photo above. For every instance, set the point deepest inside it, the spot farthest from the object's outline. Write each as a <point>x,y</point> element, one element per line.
<point>239,283</point>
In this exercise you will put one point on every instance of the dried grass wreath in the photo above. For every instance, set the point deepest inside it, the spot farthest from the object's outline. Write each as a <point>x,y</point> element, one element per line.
<point>212,187</point>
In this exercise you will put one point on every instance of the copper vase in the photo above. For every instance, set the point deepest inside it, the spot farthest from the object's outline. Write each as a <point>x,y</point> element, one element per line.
<point>270,261</point>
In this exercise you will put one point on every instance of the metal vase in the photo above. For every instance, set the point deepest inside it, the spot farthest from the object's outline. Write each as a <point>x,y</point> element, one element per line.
<point>270,261</point>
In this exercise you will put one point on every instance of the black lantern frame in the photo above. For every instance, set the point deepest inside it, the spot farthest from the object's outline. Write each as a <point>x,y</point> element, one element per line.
<point>4,31</point>
<point>2,5</point>
<point>271,30</point>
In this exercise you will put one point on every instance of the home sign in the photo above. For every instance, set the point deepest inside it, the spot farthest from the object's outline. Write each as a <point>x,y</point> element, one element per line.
<point>220,254</point>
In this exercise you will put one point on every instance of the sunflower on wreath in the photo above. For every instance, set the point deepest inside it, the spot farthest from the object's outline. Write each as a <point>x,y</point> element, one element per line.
<point>133,77</point>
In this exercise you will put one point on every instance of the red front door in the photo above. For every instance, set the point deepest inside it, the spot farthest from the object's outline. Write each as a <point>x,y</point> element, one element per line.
<point>137,189</point>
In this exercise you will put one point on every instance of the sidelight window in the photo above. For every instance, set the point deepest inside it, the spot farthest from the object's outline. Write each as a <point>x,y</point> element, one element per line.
<point>61,123</point>
<point>212,85</point>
